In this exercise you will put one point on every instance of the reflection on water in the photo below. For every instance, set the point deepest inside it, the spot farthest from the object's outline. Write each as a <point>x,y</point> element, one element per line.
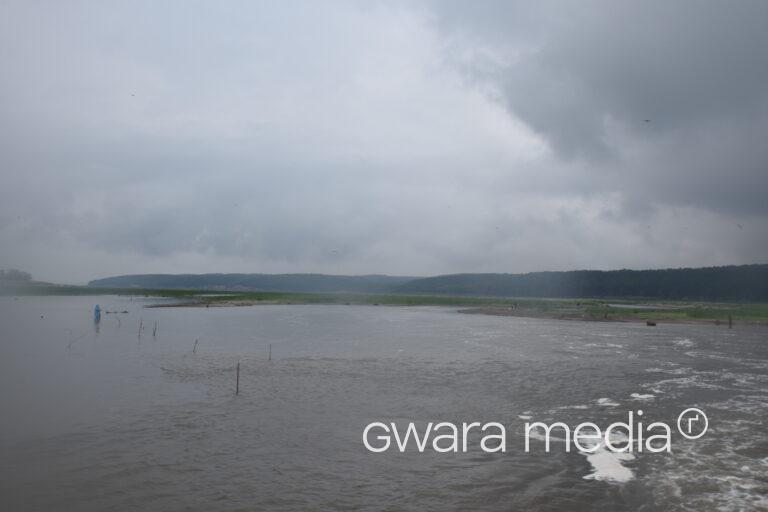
<point>122,420</point>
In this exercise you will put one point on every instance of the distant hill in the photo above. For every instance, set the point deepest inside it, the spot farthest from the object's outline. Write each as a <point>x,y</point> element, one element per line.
<point>319,283</point>
<point>744,282</point>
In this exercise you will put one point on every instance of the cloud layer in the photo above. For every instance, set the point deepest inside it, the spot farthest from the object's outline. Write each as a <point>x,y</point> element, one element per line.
<point>403,138</point>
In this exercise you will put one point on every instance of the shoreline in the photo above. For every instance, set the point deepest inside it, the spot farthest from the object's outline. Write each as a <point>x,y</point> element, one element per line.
<point>490,311</point>
<point>606,309</point>
<point>580,314</point>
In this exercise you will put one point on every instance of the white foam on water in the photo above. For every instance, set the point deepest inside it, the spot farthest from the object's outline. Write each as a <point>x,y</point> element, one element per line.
<point>683,342</point>
<point>524,416</point>
<point>676,371</point>
<point>607,402</point>
<point>641,396</point>
<point>682,382</point>
<point>603,345</point>
<point>719,485</point>
<point>719,472</point>
<point>607,465</point>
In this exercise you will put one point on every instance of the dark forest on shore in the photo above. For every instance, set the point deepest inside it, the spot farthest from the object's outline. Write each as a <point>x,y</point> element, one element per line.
<point>730,283</point>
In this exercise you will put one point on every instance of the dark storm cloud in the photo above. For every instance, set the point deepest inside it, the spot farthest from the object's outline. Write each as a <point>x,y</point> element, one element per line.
<point>668,98</point>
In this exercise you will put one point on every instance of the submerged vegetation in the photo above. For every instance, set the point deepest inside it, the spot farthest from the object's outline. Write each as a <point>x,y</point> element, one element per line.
<point>567,308</point>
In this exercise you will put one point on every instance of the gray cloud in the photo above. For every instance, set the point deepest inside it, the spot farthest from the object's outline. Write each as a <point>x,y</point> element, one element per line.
<point>407,138</point>
<point>666,98</point>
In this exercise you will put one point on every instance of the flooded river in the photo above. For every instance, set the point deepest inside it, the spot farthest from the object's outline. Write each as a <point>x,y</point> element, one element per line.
<point>122,418</point>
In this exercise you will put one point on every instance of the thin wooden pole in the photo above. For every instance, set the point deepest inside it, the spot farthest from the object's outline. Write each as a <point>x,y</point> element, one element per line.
<point>237,380</point>
<point>194,349</point>
<point>270,351</point>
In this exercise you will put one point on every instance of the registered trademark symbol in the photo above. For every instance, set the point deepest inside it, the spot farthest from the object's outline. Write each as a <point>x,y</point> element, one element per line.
<point>692,423</point>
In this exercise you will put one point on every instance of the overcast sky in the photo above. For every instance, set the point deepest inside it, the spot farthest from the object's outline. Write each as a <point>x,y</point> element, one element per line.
<point>410,138</point>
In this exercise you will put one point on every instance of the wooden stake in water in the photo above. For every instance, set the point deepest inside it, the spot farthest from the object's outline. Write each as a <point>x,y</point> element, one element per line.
<point>730,322</point>
<point>154,331</point>
<point>194,349</point>
<point>237,380</point>
<point>141,327</point>
<point>270,351</point>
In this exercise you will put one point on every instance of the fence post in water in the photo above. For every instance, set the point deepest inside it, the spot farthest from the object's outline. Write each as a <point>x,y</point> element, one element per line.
<point>270,352</point>
<point>141,326</point>
<point>154,331</point>
<point>730,322</point>
<point>237,380</point>
<point>194,349</point>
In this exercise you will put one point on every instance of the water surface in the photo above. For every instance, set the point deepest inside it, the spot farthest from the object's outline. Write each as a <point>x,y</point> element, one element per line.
<point>111,420</point>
